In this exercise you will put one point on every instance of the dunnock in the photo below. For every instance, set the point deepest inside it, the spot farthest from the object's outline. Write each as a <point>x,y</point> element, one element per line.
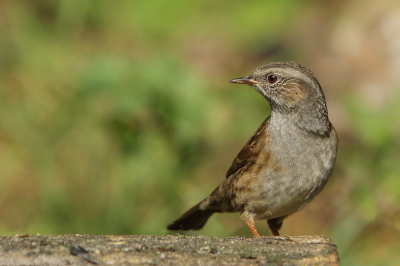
<point>287,161</point>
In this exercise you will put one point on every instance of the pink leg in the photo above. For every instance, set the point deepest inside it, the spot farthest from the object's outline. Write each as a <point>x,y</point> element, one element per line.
<point>252,228</point>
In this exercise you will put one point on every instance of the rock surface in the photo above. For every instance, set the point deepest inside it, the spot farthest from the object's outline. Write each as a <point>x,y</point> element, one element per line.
<point>166,250</point>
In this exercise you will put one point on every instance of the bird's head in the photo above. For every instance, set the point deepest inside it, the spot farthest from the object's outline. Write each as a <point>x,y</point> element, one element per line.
<point>289,87</point>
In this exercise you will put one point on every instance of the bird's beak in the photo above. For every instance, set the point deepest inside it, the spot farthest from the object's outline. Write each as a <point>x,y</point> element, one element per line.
<point>245,80</point>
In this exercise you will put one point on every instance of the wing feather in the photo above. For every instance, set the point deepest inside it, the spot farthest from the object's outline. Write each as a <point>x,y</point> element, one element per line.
<point>246,154</point>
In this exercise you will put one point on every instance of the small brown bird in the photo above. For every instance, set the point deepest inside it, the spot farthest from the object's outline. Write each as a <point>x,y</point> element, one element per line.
<point>286,162</point>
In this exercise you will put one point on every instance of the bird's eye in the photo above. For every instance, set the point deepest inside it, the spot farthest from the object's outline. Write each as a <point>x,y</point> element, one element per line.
<point>272,78</point>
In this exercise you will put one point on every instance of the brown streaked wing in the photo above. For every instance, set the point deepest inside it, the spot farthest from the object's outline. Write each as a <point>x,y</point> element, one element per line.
<point>246,153</point>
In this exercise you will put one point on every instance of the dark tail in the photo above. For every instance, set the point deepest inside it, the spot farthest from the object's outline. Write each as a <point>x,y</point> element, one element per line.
<point>193,219</point>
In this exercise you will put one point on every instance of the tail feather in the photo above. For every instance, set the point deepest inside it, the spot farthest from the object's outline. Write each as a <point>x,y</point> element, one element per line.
<point>193,219</point>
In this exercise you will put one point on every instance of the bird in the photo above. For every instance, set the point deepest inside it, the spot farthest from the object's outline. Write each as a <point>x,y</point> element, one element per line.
<point>285,163</point>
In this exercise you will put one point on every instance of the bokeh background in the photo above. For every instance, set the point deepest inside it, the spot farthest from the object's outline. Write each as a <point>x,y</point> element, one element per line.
<point>116,117</point>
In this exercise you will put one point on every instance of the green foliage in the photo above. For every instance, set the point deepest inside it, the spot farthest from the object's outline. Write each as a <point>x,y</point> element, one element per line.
<point>116,118</point>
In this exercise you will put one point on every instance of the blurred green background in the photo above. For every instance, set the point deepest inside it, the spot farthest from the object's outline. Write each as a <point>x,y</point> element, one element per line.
<point>116,117</point>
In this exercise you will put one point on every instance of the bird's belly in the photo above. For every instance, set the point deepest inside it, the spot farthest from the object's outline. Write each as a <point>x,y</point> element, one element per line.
<point>293,187</point>
<point>287,196</point>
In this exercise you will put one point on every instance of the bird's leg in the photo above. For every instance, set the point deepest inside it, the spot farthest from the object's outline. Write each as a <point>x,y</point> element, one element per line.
<point>252,228</point>
<point>274,231</point>
<point>276,224</point>
<point>249,220</point>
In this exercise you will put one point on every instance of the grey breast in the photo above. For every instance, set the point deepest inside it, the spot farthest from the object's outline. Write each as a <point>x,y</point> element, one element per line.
<point>306,161</point>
